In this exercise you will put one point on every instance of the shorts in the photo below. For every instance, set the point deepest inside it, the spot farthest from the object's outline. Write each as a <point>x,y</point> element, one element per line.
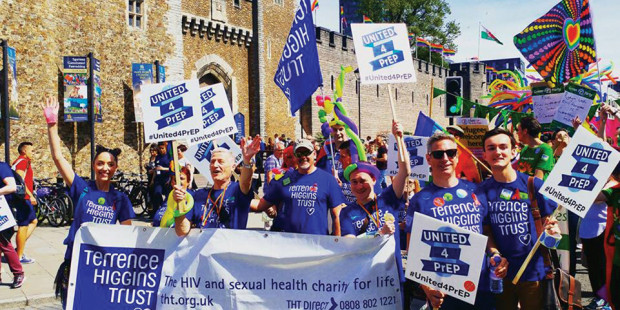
<point>24,214</point>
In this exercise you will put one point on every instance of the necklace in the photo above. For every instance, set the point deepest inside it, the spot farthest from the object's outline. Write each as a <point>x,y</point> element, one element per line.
<point>374,209</point>
<point>218,202</point>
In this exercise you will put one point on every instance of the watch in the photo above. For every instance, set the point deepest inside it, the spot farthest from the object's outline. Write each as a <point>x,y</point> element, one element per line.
<point>248,166</point>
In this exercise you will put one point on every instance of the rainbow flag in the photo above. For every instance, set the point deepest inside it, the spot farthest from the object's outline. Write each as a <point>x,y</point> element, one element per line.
<point>448,52</point>
<point>341,10</point>
<point>366,19</point>
<point>315,4</point>
<point>436,48</point>
<point>411,36</point>
<point>421,42</point>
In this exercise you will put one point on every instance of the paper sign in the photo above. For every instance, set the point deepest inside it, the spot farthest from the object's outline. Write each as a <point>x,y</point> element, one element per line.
<point>546,101</point>
<point>416,147</point>
<point>6,216</point>
<point>576,101</point>
<point>447,257</point>
<point>217,118</point>
<point>581,172</point>
<point>383,53</point>
<point>474,129</point>
<point>141,74</point>
<point>199,155</point>
<point>171,110</point>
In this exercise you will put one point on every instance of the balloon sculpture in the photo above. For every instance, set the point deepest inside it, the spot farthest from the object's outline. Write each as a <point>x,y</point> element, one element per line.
<point>339,117</point>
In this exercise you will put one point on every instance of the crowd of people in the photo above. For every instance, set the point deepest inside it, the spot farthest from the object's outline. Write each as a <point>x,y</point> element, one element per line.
<point>318,188</point>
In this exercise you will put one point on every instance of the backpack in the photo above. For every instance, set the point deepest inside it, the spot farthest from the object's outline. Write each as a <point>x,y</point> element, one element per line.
<point>20,191</point>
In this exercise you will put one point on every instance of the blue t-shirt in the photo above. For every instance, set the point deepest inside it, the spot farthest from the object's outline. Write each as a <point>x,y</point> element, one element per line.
<point>355,221</point>
<point>326,162</point>
<point>231,211</point>
<point>511,221</point>
<point>93,205</point>
<point>458,205</point>
<point>306,199</point>
<point>6,172</point>
<point>161,177</point>
<point>346,188</point>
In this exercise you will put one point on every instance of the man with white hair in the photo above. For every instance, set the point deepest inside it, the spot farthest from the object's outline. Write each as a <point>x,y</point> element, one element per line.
<point>273,161</point>
<point>227,203</point>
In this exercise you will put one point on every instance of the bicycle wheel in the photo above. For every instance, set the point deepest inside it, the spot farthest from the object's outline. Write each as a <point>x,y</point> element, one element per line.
<point>56,210</point>
<point>68,210</point>
<point>37,209</point>
<point>137,197</point>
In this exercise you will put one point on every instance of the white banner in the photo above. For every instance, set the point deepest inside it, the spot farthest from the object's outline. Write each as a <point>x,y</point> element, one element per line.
<point>383,53</point>
<point>581,172</point>
<point>6,216</point>
<point>447,257</point>
<point>416,148</point>
<point>130,267</point>
<point>199,155</point>
<point>171,110</point>
<point>217,118</point>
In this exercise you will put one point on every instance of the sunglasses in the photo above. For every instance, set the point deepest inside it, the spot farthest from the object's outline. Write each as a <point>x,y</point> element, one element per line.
<point>303,152</point>
<point>439,154</point>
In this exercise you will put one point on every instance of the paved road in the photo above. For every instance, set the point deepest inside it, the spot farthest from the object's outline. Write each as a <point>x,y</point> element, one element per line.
<point>46,247</point>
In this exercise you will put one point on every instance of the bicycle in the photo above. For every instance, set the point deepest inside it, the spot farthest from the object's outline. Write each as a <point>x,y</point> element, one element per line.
<point>53,203</point>
<point>136,189</point>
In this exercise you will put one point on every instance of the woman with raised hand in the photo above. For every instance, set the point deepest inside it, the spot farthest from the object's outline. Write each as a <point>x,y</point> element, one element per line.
<point>95,201</point>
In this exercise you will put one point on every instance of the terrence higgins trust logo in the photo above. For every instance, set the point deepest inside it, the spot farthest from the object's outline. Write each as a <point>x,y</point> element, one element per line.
<point>118,278</point>
<point>305,195</point>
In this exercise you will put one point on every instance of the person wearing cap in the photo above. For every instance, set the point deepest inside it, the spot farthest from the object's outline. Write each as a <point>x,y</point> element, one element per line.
<point>452,200</point>
<point>227,203</point>
<point>306,195</point>
<point>466,168</point>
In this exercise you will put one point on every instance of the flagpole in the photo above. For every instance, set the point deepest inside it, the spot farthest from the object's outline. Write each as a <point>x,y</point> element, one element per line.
<point>430,106</point>
<point>479,35</point>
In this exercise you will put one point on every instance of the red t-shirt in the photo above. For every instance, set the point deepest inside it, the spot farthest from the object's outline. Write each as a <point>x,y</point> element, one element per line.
<point>23,163</point>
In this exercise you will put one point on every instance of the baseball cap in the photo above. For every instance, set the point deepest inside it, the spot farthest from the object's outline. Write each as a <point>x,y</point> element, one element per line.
<point>303,144</point>
<point>457,129</point>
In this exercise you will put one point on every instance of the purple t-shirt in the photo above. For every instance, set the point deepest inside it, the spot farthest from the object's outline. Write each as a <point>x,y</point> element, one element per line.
<point>511,221</point>
<point>306,199</point>
<point>93,205</point>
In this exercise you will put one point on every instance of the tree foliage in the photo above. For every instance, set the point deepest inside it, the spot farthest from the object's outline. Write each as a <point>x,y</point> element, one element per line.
<point>424,18</point>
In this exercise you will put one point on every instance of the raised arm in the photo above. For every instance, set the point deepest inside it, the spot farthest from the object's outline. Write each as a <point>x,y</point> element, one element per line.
<point>248,151</point>
<point>50,109</point>
<point>404,168</point>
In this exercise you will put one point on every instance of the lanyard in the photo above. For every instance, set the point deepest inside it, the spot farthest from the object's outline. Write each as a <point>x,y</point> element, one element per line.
<point>219,198</point>
<point>375,209</point>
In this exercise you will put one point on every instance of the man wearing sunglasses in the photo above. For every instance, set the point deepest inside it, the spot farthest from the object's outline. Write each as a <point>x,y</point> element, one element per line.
<point>451,200</point>
<point>306,194</point>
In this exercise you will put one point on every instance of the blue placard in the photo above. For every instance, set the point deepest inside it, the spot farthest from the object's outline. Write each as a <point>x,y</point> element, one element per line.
<point>240,121</point>
<point>74,63</point>
<point>162,73</point>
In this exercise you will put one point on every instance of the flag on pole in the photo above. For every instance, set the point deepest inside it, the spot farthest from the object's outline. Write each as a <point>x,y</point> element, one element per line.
<point>366,19</point>
<point>298,80</point>
<point>487,35</point>
<point>315,4</point>
<point>411,36</point>
<point>436,48</point>
<point>448,52</point>
<point>421,42</point>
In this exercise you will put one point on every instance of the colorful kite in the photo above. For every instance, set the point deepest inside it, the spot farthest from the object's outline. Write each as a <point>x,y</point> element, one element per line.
<point>560,44</point>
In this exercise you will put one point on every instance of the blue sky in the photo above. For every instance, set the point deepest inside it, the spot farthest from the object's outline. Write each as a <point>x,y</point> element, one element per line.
<point>506,18</point>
